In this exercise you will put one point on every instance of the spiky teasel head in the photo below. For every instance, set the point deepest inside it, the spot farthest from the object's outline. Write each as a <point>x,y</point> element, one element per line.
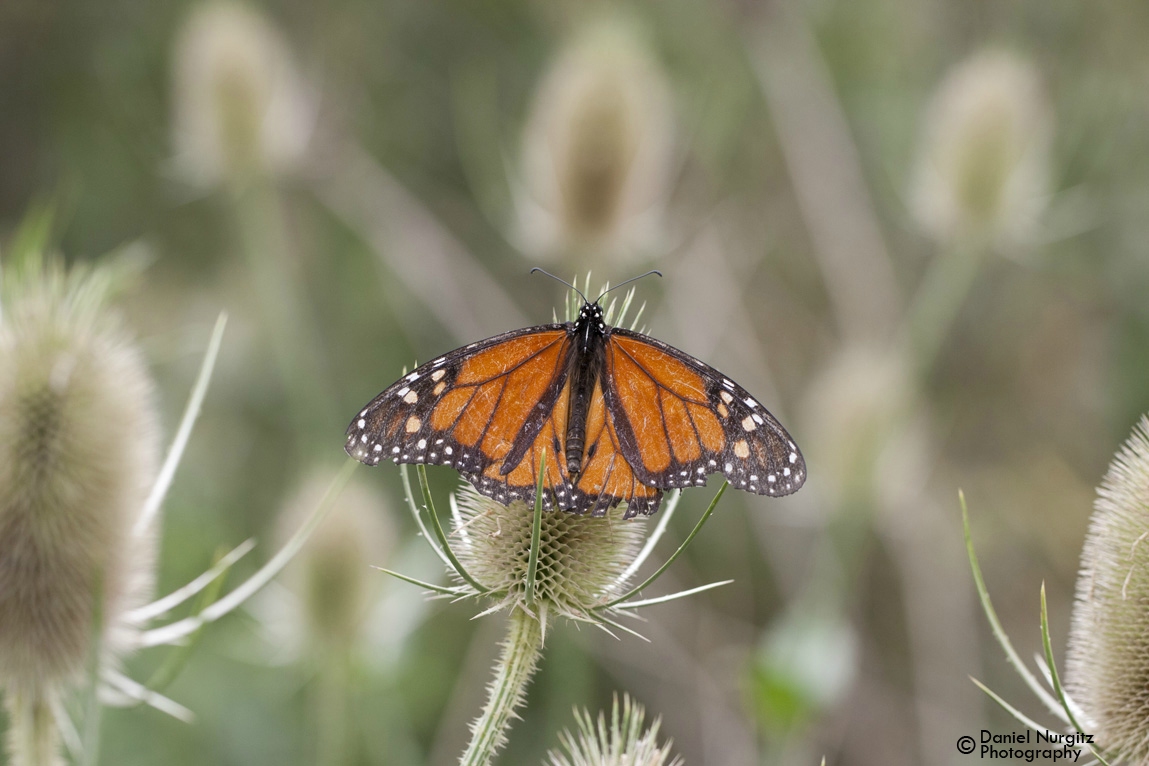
<point>582,564</point>
<point>622,742</point>
<point>78,455</point>
<point>983,159</point>
<point>240,107</point>
<point>597,146</point>
<point>1108,663</point>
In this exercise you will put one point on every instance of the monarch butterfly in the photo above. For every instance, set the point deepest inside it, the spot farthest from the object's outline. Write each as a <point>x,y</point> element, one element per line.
<point>627,416</point>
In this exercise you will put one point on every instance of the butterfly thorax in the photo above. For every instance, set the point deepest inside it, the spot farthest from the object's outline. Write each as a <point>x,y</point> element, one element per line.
<point>586,363</point>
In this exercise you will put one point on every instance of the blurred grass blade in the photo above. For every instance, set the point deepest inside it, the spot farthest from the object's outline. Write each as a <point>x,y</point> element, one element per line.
<point>136,692</point>
<point>162,606</point>
<point>179,630</point>
<point>191,412</point>
<point>179,656</point>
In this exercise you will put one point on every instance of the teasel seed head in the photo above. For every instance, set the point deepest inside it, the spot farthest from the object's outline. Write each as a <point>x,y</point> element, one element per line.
<point>1108,657</point>
<point>581,559</point>
<point>597,148</point>
<point>78,455</point>
<point>621,742</point>
<point>240,107</point>
<point>332,576</point>
<point>855,412</point>
<point>983,157</point>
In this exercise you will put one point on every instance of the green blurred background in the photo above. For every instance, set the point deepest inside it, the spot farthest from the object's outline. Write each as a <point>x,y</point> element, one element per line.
<point>361,185</point>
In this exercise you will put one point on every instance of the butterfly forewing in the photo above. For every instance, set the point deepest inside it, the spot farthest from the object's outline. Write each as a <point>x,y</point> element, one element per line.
<point>464,409</point>
<point>679,420</point>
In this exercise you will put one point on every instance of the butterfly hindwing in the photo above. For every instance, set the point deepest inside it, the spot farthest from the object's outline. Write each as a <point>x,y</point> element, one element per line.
<point>607,478</point>
<point>514,478</point>
<point>679,420</point>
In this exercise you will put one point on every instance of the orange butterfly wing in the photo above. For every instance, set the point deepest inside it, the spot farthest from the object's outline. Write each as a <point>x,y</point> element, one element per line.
<point>678,420</point>
<point>657,419</point>
<point>466,409</point>
<point>607,476</point>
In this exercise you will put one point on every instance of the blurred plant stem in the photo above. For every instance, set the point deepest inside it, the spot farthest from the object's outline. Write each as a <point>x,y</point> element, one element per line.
<point>522,649</point>
<point>332,711</point>
<point>289,324</point>
<point>938,301</point>
<point>825,167</point>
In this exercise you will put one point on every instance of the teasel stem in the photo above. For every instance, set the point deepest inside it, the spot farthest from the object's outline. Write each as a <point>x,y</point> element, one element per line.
<point>32,737</point>
<point>331,710</point>
<point>938,301</point>
<point>288,317</point>
<point>522,649</point>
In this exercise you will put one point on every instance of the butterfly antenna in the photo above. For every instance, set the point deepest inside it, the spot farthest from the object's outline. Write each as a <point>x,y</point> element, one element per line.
<point>627,282</point>
<point>560,279</point>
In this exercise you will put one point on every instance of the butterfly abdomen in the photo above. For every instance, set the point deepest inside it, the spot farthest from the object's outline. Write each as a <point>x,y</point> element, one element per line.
<point>587,363</point>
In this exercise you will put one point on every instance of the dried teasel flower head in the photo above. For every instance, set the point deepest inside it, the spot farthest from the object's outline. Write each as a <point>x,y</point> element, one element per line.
<point>583,561</point>
<point>332,577</point>
<point>1108,664</point>
<point>78,455</point>
<point>240,107</point>
<point>621,742</point>
<point>983,158</point>
<point>853,412</point>
<point>597,148</point>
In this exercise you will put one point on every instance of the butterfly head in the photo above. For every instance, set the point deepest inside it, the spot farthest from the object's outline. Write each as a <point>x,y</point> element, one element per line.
<point>591,314</point>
